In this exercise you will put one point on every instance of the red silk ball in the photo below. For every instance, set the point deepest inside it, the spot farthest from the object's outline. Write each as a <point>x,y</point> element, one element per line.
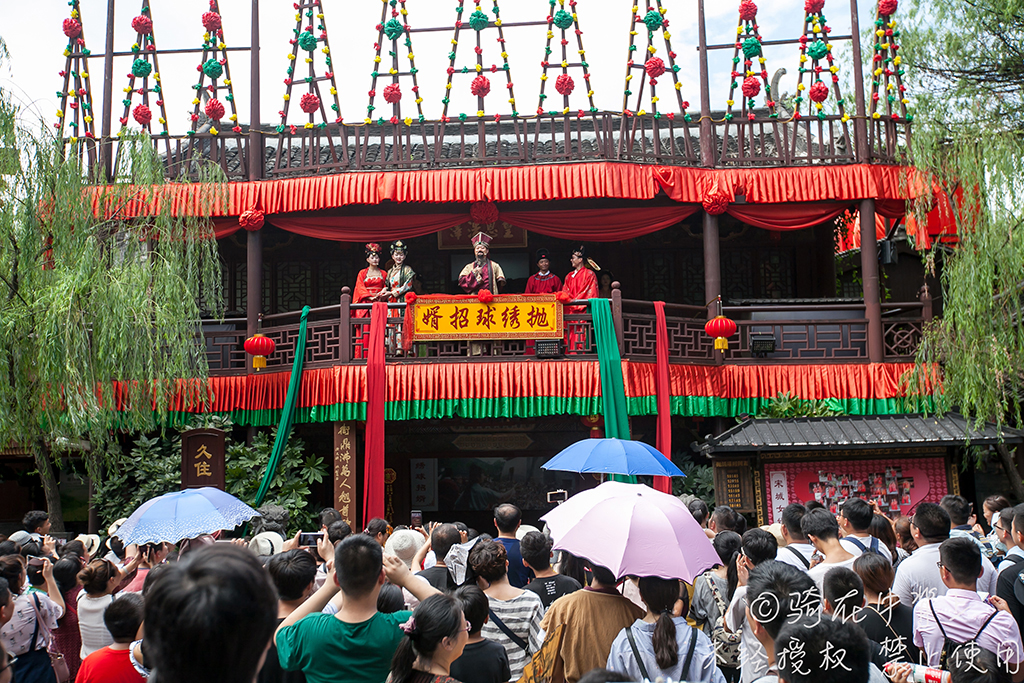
<point>563,298</point>
<point>142,24</point>
<point>818,92</point>
<point>813,6</point>
<point>143,114</point>
<point>214,109</point>
<point>251,220</point>
<point>211,22</point>
<point>748,10</point>
<point>485,296</point>
<point>887,7</point>
<point>564,84</point>
<point>410,297</point>
<point>751,86</point>
<point>480,87</point>
<point>72,28</point>
<point>716,204</point>
<point>392,93</point>
<point>655,67</point>
<point>309,103</point>
<point>483,212</point>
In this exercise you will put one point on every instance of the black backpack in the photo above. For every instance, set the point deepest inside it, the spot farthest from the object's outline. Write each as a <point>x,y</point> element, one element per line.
<point>949,646</point>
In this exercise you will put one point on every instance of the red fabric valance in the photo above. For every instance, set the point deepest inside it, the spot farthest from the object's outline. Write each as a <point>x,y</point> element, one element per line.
<point>795,216</point>
<point>368,228</point>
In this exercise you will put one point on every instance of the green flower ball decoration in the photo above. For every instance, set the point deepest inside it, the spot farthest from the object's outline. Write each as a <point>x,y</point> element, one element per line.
<point>751,48</point>
<point>393,29</point>
<point>817,50</point>
<point>563,19</point>
<point>212,68</point>
<point>141,68</point>
<point>478,20</point>
<point>307,41</point>
<point>653,20</point>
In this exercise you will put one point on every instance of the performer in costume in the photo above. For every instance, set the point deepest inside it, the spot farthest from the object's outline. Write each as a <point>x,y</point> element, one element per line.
<point>397,283</point>
<point>581,283</point>
<point>543,281</point>
<point>483,273</point>
<point>369,288</point>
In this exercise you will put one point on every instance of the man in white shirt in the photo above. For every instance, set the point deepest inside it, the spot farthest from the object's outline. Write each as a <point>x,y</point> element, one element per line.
<point>917,577</point>
<point>798,551</point>
<point>822,530</point>
<point>855,520</point>
<point>1002,524</point>
<point>758,546</point>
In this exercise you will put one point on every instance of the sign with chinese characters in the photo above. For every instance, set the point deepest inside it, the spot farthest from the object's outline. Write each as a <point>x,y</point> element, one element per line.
<point>511,316</point>
<point>503,236</point>
<point>778,496</point>
<point>345,472</point>
<point>202,458</point>
<point>423,482</point>
<point>734,485</point>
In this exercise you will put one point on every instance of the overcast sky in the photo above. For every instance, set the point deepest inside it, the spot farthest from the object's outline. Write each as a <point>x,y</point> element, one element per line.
<point>33,34</point>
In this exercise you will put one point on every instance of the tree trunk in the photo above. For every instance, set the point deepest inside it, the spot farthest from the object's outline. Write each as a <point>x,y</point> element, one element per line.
<point>42,457</point>
<point>1012,473</point>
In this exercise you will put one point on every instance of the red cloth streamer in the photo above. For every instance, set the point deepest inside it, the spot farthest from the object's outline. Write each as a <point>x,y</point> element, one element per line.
<point>664,389</point>
<point>376,386</point>
<point>787,216</point>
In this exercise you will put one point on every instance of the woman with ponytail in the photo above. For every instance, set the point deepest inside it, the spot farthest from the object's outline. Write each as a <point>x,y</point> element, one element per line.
<point>434,637</point>
<point>662,644</point>
<point>884,618</point>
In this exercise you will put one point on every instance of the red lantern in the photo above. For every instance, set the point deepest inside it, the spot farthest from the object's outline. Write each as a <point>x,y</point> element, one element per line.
<point>720,328</point>
<point>259,347</point>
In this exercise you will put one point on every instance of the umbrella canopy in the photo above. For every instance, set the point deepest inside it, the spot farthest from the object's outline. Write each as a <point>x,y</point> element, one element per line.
<point>613,456</point>
<point>175,516</point>
<point>632,529</point>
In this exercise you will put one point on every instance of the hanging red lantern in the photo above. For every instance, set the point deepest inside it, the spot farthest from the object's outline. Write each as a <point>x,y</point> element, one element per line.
<point>720,328</point>
<point>259,347</point>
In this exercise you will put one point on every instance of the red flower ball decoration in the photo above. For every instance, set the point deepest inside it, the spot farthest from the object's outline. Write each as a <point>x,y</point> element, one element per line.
<point>410,297</point>
<point>309,103</point>
<point>886,7</point>
<point>211,22</point>
<point>480,87</point>
<point>716,203</point>
<point>813,6</point>
<point>214,109</point>
<point>655,67</point>
<point>748,10</point>
<point>142,24</point>
<point>73,28</point>
<point>818,92</point>
<point>142,114</point>
<point>751,86</point>
<point>392,93</point>
<point>483,212</point>
<point>251,220</point>
<point>484,296</point>
<point>562,298</point>
<point>564,84</point>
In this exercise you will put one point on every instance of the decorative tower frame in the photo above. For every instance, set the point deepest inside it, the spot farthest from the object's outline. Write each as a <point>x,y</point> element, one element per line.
<point>393,33</point>
<point>212,65</point>
<point>75,109</point>
<point>564,85</point>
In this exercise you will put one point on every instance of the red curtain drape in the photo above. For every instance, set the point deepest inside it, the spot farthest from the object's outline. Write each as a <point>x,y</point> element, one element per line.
<point>664,390</point>
<point>796,216</point>
<point>368,228</point>
<point>376,387</point>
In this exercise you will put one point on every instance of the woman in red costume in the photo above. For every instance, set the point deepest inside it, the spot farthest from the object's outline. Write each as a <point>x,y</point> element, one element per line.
<point>369,288</point>
<point>581,283</point>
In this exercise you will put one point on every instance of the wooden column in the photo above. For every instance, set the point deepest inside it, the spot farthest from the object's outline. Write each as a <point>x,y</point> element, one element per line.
<point>345,472</point>
<point>345,326</point>
<point>616,304</point>
<point>707,129</point>
<point>106,143</point>
<point>860,123</point>
<point>712,270</point>
<point>869,274</point>
<point>255,137</point>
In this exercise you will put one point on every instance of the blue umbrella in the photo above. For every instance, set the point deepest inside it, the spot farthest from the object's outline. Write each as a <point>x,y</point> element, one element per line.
<point>175,516</point>
<point>613,456</point>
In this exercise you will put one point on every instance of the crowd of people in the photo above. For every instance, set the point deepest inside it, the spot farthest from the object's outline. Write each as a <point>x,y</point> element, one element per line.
<point>845,598</point>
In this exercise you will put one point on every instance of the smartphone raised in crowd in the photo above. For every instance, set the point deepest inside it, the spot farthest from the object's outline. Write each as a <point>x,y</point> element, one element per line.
<point>308,539</point>
<point>416,518</point>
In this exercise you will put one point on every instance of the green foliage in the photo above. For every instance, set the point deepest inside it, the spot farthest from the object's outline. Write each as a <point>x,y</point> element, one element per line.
<point>787,405</point>
<point>699,480</point>
<point>153,468</point>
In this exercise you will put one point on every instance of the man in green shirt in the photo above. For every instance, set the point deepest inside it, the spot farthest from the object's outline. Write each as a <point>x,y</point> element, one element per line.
<point>356,644</point>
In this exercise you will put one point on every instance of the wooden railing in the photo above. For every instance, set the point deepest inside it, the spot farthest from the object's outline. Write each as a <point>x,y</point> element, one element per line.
<point>600,136</point>
<point>798,333</point>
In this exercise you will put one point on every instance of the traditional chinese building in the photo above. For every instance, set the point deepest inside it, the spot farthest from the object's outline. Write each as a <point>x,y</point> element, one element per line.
<point>689,205</point>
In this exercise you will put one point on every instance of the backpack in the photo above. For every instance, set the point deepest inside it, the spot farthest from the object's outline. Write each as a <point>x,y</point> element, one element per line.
<point>726,644</point>
<point>870,548</point>
<point>949,646</point>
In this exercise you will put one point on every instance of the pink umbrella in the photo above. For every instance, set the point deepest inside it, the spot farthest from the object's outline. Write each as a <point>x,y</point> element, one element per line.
<point>632,529</point>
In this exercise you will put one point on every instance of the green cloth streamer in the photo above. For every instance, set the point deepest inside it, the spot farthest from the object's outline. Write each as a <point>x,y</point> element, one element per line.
<point>613,388</point>
<point>284,428</point>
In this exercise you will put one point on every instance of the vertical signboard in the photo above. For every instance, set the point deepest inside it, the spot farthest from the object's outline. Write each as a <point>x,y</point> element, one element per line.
<point>344,472</point>
<point>202,458</point>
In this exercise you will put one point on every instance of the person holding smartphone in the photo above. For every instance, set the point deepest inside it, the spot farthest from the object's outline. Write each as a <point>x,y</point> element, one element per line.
<point>27,634</point>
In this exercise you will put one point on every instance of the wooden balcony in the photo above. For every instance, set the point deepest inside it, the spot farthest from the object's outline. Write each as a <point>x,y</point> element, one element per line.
<point>825,333</point>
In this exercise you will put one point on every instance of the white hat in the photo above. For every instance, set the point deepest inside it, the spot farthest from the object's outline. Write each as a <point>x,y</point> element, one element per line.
<point>20,537</point>
<point>90,541</point>
<point>404,543</point>
<point>266,543</point>
<point>525,529</point>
